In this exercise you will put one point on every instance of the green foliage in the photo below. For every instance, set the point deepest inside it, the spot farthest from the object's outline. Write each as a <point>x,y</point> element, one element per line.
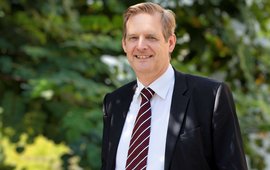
<point>52,78</point>
<point>53,75</point>
<point>37,155</point>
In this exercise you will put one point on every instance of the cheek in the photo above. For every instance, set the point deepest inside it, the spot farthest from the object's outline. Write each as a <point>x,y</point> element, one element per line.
<point>129,48</point>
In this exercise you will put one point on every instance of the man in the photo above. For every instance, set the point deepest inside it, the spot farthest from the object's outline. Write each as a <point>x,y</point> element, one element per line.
<point>166,119</point>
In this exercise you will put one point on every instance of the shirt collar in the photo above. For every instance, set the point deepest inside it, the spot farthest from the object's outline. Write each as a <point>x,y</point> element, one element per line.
<point>161,85</point>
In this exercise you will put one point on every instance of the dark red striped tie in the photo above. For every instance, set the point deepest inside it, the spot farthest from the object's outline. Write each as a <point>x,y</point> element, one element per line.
<point>139,143</point>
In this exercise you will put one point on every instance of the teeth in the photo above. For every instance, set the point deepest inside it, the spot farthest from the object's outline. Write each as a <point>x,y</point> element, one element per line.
<point>142,56</point>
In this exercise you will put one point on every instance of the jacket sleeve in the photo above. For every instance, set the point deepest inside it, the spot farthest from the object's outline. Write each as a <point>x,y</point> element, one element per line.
<point>105,135</point>
<point>227,141</point>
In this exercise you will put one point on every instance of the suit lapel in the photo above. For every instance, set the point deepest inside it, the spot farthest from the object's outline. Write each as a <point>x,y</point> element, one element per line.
<point>179,103</point>
<point>122,103</point>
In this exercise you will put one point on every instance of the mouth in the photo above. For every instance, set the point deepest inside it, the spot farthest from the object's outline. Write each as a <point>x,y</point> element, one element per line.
<point>143,56</point>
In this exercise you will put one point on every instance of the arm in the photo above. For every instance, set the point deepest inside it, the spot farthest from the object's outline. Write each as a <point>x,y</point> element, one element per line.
<point>105,135</point>
<point>228,149</point>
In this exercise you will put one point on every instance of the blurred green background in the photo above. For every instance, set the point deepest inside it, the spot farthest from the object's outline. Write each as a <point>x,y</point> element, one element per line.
<point>58,58</point>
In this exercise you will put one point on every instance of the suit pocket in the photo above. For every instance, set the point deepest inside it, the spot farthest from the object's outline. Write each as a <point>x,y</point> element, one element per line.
<point>189,149</point>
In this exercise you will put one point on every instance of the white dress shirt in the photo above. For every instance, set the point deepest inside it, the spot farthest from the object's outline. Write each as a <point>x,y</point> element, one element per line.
<point>160,106</point>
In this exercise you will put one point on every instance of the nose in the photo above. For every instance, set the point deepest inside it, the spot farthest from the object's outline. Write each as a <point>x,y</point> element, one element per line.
<point>142,44</point>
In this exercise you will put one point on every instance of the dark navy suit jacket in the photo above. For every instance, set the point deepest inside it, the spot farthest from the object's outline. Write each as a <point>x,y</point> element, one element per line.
<point>203,131</point>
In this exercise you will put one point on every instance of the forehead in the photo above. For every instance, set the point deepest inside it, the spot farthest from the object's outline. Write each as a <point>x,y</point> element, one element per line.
<point>144,22</point>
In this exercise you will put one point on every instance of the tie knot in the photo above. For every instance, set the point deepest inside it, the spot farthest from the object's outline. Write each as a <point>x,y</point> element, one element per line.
<point>147,93</point>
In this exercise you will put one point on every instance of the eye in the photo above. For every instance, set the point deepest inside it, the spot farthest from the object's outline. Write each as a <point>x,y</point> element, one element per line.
<point>132,38</point>
<point>151,38</point>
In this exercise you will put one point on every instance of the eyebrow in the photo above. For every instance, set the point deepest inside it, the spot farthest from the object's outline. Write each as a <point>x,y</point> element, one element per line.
<point>147,35</point>
<point>151,35</point>
<point>130,35</point>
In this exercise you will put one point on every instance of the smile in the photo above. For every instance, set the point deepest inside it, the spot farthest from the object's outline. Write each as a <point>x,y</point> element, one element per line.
<point>143,56</point>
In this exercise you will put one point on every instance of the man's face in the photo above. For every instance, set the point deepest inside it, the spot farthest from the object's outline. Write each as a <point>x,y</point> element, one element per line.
<point>147,50</point>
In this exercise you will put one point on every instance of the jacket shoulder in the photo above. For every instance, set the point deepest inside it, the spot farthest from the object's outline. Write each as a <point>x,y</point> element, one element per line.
<point>199,85</point>
<point>196,81</point>
<point>123,90</point>
<point>122,93</point>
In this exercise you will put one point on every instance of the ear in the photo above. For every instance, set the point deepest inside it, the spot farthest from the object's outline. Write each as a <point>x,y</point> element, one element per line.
<point>124,44</point>
<point>172,42</point>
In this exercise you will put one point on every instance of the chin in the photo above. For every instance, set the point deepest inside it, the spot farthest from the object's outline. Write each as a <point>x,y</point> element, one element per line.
<point>143,70</point>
